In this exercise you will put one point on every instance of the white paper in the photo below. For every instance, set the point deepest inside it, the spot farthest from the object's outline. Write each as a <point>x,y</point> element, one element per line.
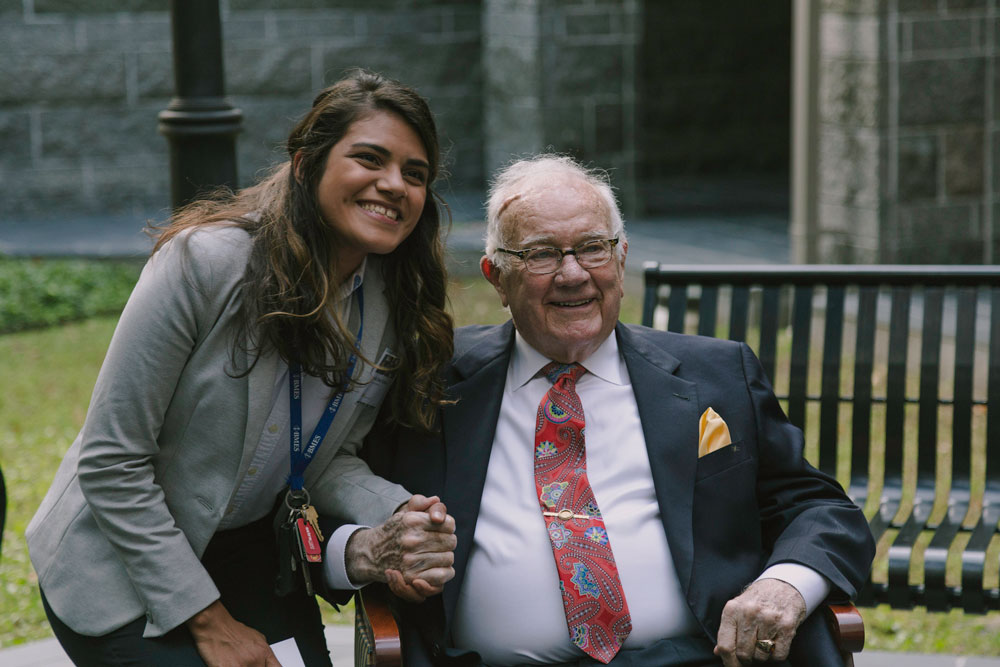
<point>287,653</point>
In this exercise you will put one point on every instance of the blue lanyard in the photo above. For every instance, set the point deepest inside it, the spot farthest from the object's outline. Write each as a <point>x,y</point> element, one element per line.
<point>302,457</point>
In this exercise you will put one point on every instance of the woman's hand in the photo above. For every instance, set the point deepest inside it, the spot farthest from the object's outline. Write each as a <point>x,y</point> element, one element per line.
<point>221,640</point>
<point>413,551</point>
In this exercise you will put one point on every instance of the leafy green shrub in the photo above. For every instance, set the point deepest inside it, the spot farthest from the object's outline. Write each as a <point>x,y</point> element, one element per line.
<point>42,292</point>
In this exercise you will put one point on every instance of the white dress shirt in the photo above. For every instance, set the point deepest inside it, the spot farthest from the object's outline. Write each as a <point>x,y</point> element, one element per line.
<point>510,609</point>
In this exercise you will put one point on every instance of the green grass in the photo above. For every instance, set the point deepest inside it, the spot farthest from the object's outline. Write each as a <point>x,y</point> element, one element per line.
<point>48,376</point>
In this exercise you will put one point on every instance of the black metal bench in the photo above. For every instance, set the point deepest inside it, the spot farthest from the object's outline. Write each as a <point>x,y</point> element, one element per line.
<point>891,372</point>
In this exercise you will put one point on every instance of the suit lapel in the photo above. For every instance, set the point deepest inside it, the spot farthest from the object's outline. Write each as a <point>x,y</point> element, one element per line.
<point>469,427</point>
<point>668,411</point>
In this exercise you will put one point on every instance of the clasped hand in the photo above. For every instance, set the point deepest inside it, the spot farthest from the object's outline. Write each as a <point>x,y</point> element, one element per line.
<point>413,551</point>
<point>770,610</point>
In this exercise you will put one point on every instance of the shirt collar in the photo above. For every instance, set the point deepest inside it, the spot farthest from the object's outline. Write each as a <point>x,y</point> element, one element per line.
<point>604,363</point>
<point>349,286</point>
<point>347,289</point>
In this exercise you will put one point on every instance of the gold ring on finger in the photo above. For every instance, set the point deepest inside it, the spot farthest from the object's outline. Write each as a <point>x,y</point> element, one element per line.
<point>765,646</point>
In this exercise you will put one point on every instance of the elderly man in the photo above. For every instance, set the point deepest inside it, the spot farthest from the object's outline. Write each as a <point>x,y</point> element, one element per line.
<point>620,494</point>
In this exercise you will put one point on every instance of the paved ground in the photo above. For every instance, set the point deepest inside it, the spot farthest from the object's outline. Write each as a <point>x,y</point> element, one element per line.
<point>48,653</point>
<point>340,639</point>
<point>683,240</point>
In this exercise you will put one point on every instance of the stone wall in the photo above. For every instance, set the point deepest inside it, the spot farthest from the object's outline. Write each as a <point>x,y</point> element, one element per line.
<point>946,111</point>
<point>561,76</point>
<point>906,156</point>
<point>909,139</point>
<point>589,86</point>
<point>82,81</point>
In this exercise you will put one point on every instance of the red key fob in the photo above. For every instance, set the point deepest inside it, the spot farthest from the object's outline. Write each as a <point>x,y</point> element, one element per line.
<point>311,550</point>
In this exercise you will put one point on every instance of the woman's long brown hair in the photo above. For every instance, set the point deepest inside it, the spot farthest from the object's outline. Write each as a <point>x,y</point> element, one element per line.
<point>289,289</point>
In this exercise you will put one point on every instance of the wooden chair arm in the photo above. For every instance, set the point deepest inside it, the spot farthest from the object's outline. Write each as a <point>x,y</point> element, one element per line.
<point>848,629</point>
<point>376,634</point>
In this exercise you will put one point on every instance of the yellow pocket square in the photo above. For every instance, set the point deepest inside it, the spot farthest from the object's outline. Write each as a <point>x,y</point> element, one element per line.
<point>713,433</point>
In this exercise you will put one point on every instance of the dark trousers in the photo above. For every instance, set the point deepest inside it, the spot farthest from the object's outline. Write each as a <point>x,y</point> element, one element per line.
<point>243,563</point>
<point>675,652</point>
<point>813,647</point>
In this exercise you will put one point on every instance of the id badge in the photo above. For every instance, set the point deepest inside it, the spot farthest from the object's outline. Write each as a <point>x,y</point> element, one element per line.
<point>382,378</point>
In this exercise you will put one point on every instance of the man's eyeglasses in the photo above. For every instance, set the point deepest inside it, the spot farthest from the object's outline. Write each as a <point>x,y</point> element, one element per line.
<point>589,255</point>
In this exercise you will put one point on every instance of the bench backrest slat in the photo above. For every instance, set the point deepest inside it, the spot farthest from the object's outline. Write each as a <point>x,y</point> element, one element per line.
<point>739,312</point>
<point>864,366</point>
<point>678,306</point>
<point>799,367</point>
<point>895,390</point>
<point>930,386</point>
<point>965,353</point>
<point>829,406</point>
<point>993,398</point>
<point>708,308</point>
<point>768,350</point>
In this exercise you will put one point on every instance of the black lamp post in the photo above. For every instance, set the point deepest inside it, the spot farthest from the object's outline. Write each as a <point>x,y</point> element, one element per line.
<point>200,125</point>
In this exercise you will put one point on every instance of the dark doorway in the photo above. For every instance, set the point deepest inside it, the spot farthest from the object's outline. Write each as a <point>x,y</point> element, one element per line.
<point>714,108</point>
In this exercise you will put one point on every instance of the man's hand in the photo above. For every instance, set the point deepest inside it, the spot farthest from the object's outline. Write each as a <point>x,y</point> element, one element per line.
<point>223,641</point>
<point>412,551</point>
<point>770,609</point>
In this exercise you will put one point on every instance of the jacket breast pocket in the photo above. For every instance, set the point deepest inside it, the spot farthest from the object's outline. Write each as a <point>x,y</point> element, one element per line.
<point>721,460</point>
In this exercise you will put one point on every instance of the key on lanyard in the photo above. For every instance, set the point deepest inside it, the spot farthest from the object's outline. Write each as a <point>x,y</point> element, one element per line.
<point>289,558</point>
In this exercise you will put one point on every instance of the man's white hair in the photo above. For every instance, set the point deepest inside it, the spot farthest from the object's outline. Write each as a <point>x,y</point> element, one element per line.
<point>531,174</point>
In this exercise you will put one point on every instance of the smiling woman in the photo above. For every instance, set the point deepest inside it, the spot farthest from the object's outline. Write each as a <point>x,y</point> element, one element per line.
<point>374,187</point>
<point>300,305</point>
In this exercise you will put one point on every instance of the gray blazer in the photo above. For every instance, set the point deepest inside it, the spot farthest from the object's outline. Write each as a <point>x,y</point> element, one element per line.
<point>167,440</point>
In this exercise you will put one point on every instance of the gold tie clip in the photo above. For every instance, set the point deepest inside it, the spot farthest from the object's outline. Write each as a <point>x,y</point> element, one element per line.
<point>566,515</point>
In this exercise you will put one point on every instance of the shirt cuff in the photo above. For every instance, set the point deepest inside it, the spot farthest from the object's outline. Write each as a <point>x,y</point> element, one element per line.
<point>811,585</point>
<point>335,562</point>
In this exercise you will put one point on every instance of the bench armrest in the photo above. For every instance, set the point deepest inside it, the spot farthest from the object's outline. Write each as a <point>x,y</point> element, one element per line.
<point>376,634</point>
<point>848,629</point>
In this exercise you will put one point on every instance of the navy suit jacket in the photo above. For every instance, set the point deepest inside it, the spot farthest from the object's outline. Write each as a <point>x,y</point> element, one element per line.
<point>727,515</point>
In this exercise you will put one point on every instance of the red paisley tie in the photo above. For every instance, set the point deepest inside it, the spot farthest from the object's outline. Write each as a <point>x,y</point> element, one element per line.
<point>596,611</point>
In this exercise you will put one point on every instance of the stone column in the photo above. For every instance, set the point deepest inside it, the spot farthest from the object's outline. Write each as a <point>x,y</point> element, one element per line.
<point>561,75</point>
<point>851,154</point>
<point>906,144</point>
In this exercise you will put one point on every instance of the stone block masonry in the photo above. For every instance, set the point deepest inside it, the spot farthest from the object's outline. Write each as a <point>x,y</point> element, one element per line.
<point>560,75</point>
<point>908,120</point>
<point>82,81</point>
<point>903,148</point>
